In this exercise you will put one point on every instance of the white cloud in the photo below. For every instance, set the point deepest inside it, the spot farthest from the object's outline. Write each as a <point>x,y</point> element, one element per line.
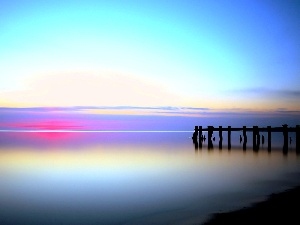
<point>81,89</point>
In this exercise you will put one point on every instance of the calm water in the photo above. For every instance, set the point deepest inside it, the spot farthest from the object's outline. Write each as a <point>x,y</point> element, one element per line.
<point>133,178</point>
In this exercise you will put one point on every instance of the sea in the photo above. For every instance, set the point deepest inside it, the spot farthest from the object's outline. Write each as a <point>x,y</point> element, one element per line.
<point>90,177</point>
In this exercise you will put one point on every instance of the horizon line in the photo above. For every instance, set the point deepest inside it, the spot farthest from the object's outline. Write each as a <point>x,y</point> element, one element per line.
<point>94,131</point>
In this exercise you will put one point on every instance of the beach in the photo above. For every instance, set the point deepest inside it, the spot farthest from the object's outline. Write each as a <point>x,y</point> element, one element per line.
<point>279,208</point>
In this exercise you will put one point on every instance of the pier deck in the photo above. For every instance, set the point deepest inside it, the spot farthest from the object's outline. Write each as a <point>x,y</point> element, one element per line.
<point>256,137</point>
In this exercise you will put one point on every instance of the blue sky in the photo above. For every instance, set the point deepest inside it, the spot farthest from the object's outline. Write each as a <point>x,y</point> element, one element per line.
<point>221,55</point>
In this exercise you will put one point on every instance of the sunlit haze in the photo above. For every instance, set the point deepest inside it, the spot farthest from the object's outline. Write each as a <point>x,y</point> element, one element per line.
<point>191,55</point>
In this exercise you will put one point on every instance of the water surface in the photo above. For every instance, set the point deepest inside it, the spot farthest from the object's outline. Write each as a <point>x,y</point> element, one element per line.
<point>133,177</point>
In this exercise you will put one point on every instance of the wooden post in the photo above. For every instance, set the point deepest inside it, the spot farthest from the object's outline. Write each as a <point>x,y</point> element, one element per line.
<point>220,137</point>
<point>258,139</point>
<point>196,129</point>
<point>195,134</point>
<point>244,133</point>
<point>229,137</point>
<point>285,137</point>
<point>200,133</point>
<point>269,138</point>
<point>244,138</point>
<point>254,137</point>
<point>200,137</point>
<point>255,129</point>
<point>209,134</point>
<point>298,138</point>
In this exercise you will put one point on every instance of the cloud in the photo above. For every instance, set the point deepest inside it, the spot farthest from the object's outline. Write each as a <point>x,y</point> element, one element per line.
<point>268,92</point>
<point>291,93</point>
<point>84,89</point>
<point>147,110</point>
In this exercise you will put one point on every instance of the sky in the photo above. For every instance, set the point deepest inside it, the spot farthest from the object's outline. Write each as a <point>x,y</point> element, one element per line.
<point>140,57</point>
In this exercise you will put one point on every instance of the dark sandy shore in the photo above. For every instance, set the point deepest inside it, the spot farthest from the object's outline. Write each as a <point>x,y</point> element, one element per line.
<point>279,208</point>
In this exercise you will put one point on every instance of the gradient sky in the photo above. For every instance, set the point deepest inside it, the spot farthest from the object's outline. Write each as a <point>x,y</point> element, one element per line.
<point>223,55</point>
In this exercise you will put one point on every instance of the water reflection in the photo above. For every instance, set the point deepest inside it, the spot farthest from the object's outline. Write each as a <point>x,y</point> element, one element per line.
<point>258,142</point>
<point>129,178</point>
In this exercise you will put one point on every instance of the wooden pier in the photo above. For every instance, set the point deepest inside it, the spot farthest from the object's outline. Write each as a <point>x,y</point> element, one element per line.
<point>256,139</point>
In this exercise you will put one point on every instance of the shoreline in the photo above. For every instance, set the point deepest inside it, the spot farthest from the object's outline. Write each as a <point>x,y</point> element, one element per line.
<point>282,207</point>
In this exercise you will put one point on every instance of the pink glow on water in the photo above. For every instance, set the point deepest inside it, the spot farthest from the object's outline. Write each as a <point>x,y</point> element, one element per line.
<point>43,125</point>
<point>51,125</point>
<point>55,136</point>
<point>76,124</point>
<point>40,140</point>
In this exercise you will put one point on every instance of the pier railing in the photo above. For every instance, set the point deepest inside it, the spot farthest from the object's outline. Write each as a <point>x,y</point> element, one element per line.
<point>256,138</point>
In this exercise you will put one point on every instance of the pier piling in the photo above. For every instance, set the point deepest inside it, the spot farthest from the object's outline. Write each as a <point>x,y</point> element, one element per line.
<point>244,133</point>
<point>209,134</point>
<point>298,138</point>
<point>220,137</point>
<point>285,137</point>
<point>200,137</point>
<point>244,138</point>
<point>269,138</point>
<point>257,136</point>
<point>200,132</point>
<point>229,137</point>
<point>195,134</point>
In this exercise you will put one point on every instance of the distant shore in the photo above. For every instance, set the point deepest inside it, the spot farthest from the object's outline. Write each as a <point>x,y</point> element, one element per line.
<point>279,208</point>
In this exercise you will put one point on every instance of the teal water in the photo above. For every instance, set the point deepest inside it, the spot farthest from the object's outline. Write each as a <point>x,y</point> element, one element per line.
<point>133,178</point>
